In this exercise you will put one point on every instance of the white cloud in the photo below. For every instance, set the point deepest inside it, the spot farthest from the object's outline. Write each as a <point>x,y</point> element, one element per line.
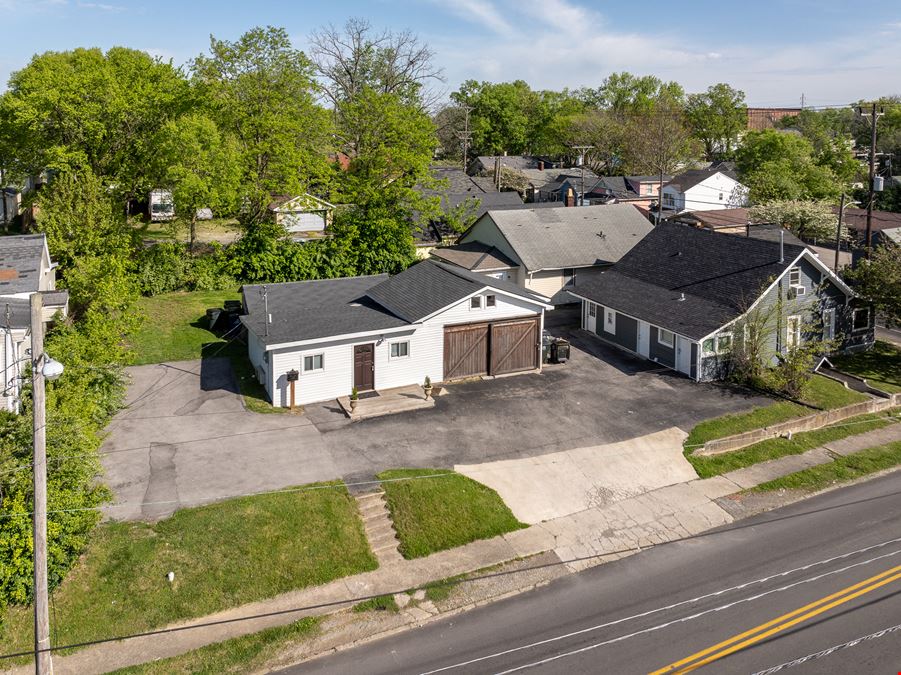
<point>559,43</point>
<point>483,12</point>
<point>100,6</point>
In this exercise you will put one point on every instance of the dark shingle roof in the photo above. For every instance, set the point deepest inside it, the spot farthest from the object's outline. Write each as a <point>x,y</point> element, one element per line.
<point>688,179</point>
<point>20,263</point>
<point>306,310</point>
<point>429,286</point>
<point>474,255</point>
<point>720,276</point>
<point>325,308</point>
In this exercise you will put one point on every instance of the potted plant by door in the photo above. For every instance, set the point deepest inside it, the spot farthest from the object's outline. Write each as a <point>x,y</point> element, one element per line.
<point>354,399</point>
<point>427,387</point>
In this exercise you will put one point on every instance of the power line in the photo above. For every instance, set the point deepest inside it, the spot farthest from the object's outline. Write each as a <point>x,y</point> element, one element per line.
<point>493,575</point>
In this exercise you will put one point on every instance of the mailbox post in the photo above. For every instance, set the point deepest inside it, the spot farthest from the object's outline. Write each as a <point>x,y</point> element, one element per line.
<point>292,376</point>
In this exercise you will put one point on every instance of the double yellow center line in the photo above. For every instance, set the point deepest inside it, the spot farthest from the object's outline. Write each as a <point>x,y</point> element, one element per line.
<point>779,624</point>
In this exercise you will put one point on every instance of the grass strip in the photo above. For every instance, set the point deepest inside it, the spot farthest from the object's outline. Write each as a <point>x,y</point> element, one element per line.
<point>436,514</point>
<point>774,448</point>
<point>880,366</point>
<point>223,555</point>
<point>842,470</point>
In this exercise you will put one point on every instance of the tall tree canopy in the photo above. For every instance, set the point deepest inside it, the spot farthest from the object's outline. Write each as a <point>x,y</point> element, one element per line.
<point>260,90</point>
<point>717,118</point>
<point>357,58</point>
<point>86,109</point>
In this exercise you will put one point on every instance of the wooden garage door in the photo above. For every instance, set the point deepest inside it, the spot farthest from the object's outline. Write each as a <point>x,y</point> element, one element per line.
<point>514,346</point>
<point>465,351</point>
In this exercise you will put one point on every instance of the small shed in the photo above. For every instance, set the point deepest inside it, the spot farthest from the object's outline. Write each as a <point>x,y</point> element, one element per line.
<point>301,214</point>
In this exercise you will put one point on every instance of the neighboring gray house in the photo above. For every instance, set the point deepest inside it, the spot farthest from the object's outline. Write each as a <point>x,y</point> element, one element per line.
<point>684,296</point>
<point>545,250</point>
<point>378,332</point>
<point>25,269</point>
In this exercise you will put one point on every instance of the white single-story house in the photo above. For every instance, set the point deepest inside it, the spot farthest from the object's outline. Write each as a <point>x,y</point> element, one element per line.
<point>304,214</point>
<point>25,269</point>
<point>685,298</point>
<point>546,250</point>
<point>703,190</point>
<point>378,332</point>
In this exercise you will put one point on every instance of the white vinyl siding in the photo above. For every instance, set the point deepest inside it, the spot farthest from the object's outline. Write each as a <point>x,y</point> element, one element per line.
<point>426,354</point>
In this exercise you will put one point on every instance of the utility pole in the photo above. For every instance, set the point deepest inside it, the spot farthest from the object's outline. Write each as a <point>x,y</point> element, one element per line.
<point>838,231</point>
<point>42,661</point>
<point>466,136</point>
<point>874,116</point>
<point>581,149</point>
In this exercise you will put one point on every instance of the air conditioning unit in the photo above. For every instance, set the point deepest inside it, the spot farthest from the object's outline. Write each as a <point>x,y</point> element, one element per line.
<point>796,291</point>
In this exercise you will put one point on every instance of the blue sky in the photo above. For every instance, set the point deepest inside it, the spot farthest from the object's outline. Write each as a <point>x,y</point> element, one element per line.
<point>833,52</point>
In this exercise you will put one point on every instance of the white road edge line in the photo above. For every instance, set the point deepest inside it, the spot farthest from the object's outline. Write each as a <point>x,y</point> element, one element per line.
<point>682,603</point>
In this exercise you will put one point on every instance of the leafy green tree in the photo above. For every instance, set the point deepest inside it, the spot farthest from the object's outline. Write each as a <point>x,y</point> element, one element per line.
<point>499,119</point>
<point>86,109</point>
<point>777,165</point>
<point>260,91</point>
<point>390,144</point>
<point>810,221</point>
<point>879,280</point>
<point>717,118</point>
<point>200,166</point>
<point>624,93</point>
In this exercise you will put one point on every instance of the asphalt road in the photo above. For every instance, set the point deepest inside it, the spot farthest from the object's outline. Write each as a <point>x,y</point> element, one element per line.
<point>762,593</point>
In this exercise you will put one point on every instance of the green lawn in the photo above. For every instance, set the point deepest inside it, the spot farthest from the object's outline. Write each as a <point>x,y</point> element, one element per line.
<point>223,555</point>
<point>176,329</point>
<point>822,393</point>
<point>841,470</point>
<point>238,655</point>
<point>881,366</point>
<point>434,514</point>
<point>713,465</point>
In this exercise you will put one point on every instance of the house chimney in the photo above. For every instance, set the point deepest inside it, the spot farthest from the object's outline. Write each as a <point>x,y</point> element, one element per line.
<point>781,245</point>
<point>540,165</point>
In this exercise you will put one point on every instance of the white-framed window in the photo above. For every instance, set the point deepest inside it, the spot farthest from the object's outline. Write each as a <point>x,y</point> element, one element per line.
<point>724,343</point>
<point>669,200</point>
<point>793,331</point>
<point>829,323</point>
<point>313,362</point>
<point>721,196</point>
<point>610,321</point>
<point>490,301</point>
<point>475,302</point>
<point>666,337</point>
<point>592,310</point>
<point>794,276</point>
<point>860,318</point>
<point>400,350</point>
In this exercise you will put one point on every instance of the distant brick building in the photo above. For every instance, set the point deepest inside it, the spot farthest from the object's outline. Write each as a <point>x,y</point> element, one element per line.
<point>766,118</point>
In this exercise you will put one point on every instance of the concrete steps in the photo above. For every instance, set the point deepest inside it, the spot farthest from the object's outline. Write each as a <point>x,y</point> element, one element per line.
<point>378,527</point>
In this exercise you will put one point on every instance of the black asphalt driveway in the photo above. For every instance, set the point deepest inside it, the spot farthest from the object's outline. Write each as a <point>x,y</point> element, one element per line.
<point>602,395</point>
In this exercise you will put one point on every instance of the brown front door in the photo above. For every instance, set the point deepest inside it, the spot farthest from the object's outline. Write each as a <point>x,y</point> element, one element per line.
<point>364,367</point>
<point>514,346</point>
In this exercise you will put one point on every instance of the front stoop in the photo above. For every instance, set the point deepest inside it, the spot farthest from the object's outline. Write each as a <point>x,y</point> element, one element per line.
<point>379,528</point>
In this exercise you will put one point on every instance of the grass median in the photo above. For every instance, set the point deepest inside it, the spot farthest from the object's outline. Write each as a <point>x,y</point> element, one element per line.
<point>440,509</point>
<point>841,470</point>
<point>238,655</point>
<point>774,448</point>
<point>223,555</point>
<point>822,393</point>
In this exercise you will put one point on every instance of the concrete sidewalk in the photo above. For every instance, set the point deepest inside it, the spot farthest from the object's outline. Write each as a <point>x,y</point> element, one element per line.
<point>588,537</point>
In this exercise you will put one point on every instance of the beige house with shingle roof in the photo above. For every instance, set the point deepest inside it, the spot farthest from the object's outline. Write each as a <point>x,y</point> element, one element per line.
<point>548,250</point>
